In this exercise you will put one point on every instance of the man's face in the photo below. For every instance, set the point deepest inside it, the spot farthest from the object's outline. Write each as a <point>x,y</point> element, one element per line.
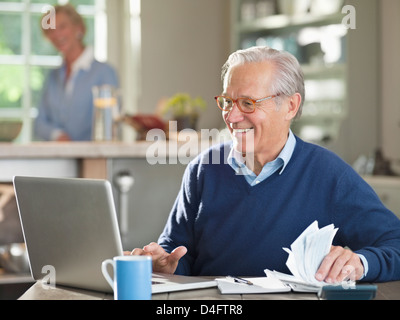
<point>266,130</point>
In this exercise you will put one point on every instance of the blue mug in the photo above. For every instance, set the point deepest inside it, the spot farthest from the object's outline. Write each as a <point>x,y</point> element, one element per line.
<point>132,277</point>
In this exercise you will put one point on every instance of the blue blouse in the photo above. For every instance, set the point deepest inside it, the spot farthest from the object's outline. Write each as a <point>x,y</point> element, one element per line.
<point>68,106</point>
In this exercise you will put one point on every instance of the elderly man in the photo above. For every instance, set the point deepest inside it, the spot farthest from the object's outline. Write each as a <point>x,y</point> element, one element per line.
<point>234,216</point>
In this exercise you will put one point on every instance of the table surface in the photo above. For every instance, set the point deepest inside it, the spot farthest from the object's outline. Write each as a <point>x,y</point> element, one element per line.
<point>39,291</point>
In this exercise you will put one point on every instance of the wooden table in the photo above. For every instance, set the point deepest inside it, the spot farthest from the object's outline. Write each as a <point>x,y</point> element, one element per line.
<point>386,291</point>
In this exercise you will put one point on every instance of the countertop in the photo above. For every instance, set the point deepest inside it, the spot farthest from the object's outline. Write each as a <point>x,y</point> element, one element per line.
<point>193,144</point>
<point>90,159</point>
<point>74,150</point>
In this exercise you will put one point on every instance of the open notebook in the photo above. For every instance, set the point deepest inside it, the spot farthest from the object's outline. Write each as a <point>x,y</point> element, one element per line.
<point>305,256</point>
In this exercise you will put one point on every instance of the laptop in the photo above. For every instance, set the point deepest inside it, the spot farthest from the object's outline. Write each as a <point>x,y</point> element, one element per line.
<point>70,226</point>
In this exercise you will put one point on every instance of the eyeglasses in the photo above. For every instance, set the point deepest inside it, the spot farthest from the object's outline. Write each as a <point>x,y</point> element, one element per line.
<point>245,105</point>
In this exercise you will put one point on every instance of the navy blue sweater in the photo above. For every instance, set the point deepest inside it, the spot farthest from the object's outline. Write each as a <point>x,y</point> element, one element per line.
<point>232,228</point>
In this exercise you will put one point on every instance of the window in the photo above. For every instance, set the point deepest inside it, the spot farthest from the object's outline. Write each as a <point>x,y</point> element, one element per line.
<point>26,56</point>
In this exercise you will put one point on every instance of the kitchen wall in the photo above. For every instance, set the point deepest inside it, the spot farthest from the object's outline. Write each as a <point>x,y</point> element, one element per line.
<point>390,78</point>
<point>359,132</point>
<point>183,45</point>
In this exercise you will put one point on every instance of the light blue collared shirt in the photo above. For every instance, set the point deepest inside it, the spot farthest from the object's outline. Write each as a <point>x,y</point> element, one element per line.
<point>67,107</point>
<point>237,162</point>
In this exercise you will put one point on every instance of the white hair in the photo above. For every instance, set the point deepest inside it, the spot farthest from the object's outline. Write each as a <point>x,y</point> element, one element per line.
<point>289,77</point>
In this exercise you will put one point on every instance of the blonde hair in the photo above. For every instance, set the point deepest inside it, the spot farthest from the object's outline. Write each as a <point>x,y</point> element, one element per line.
<point>70,11</point>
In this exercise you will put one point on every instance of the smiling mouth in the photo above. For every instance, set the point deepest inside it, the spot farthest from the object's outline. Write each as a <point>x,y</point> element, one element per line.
<point>59,43</point>
<point>242,130</point>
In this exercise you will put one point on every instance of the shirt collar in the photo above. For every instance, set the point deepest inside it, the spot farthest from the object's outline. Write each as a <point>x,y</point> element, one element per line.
<point>84,61</point>
<point>287,151</point>
<point>237,161</point>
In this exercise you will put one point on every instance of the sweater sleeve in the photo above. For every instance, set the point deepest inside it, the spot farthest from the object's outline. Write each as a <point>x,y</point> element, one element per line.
<point>179,229</point>
<point>367,227</point>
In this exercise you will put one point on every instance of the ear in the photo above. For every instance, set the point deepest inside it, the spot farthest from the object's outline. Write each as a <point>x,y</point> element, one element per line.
<point>293,106</point>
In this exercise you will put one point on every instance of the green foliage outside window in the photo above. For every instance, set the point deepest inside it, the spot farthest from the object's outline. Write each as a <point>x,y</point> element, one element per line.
<point>20,72</point>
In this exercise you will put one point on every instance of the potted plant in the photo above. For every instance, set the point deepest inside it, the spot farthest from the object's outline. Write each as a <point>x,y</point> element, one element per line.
<point>184,109</point>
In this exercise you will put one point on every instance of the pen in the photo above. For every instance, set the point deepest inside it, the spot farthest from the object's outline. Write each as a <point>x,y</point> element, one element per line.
<point>241,280</point>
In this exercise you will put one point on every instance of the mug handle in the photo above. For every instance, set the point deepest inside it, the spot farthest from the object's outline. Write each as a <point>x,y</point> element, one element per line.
<point>105,272</point>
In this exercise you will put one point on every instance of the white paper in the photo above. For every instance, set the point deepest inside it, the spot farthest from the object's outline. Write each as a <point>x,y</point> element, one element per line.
<point>305,256</point>
<point>260,285</point>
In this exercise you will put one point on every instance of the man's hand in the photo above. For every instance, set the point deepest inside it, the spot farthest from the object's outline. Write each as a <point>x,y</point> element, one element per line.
<point>340,264</point>
<point>162,261</point>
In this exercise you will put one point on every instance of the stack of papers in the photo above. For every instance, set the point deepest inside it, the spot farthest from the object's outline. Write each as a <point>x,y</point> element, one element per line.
<point>305,256</point>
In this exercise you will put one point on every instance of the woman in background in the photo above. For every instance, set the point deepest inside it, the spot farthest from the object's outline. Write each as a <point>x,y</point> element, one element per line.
<point>66,106</point>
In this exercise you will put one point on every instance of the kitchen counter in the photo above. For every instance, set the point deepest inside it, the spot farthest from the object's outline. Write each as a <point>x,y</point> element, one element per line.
<point>73,150</point>
<point>108,161</point>
<point>87,159</point>
<point>67,159</point>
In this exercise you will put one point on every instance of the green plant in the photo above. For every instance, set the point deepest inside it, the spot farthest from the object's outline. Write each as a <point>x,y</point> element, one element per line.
<point>182,104</point>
